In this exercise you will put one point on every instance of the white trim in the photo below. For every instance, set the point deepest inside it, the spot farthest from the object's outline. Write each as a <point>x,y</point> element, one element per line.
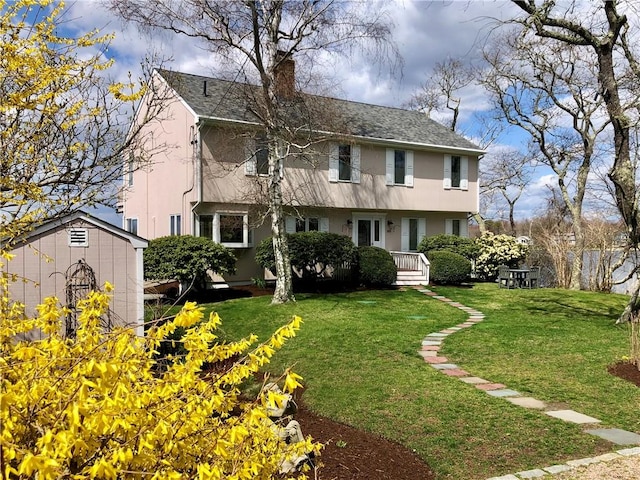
<point>245,229</point>
<point>355,163</point>
<point>464,173</point>
<point>334,162</point>
<point>250,160</point>
<point>408,168</point>
<point>446,176</point>
<point>366,216</point>
<point>290,224</point>
<point>139,292</point>
<point>389,166</point>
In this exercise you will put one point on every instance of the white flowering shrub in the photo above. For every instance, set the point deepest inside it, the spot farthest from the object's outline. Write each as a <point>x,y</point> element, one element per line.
<point>496,250</point>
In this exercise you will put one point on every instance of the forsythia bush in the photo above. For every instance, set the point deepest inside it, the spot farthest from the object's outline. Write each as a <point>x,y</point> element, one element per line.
<point>96,407</point>
<point>496,250</point>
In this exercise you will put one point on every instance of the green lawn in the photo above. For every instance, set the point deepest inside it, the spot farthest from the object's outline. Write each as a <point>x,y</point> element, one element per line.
<point>357,354</point>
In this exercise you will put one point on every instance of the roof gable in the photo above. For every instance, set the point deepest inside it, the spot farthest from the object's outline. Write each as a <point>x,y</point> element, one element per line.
<point>136,241</point>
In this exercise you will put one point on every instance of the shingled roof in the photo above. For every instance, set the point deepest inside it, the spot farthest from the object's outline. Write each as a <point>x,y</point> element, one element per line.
<point>212,98</point>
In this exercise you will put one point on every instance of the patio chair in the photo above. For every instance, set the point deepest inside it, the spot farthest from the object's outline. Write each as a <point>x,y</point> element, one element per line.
<point>504,277</point>
<point>533,278</point>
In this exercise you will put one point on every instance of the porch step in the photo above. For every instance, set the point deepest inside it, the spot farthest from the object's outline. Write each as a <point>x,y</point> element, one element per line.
<point>410,277</point>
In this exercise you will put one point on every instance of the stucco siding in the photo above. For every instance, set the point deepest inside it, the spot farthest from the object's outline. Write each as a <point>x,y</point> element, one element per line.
<point>306,182</point>
<point>167,185</point>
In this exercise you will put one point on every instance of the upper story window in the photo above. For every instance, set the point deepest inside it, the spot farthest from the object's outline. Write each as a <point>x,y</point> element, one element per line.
<point>131,225</point>
<point>130,169</point>
<point>175,225</point>
<point>456,172</point>
<point>399,167</point>
<point>344,160</point>
<point>344,163</point>
<point>257,156</point>
<point>262,157</point>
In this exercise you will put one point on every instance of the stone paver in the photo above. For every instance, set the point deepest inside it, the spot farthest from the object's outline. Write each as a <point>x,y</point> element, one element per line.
<point>436,359</point>
<point>429,351</point>
<point>455,372</point>
<point>629,451</point>
<point>474,380</point>
<point>581,462</point>
<point>535,473</point>
<point>553,469</point>
<point>490,386</point>
<point>616,435</point>
<point>503,393</point>
<point>430,348</point>
<point>528,402</point>
<point>445,366</point>
<point>607,457</point>
<point>572,416</point>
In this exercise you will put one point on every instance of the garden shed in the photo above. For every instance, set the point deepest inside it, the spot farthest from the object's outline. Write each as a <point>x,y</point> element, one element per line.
<point>71,255</point>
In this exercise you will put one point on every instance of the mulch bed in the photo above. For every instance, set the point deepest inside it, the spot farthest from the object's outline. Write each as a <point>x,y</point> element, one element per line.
<point>625,370</point>
<point>352,454</point>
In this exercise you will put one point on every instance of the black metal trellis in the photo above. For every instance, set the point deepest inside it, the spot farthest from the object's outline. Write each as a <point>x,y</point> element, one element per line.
<point>80,280</point>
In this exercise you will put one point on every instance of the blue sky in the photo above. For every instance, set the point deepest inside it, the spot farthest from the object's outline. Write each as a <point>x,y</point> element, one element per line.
<point>426,32</point>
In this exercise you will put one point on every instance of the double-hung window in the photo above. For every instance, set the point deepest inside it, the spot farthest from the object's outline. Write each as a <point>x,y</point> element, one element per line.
<point>344,163</point>
<point>399,167</point>
<point>175,225</point>
<point>257,156</point>
<point>457,227</point>
<point>306,224</point>
<point>456,172</point>
<point>130,169</point>
<point>131,225</point>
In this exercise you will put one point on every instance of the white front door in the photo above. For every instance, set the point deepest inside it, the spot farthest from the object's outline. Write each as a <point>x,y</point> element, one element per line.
<point>368,231</point>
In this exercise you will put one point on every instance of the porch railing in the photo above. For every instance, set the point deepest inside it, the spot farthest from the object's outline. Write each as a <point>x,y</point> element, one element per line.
<point>412,262</point>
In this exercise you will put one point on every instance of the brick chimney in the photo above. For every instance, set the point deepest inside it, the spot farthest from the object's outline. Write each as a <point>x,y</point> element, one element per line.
<point>285,73</point>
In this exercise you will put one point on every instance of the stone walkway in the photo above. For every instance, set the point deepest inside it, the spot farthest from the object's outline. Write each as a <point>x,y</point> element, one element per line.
<point>430,351</point>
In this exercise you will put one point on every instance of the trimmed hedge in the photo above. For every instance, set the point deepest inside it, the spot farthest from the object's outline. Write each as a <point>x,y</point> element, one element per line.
<point>376,267</point>
<point>449,267</point>
<point>185,258</point>
<point>310,252</point>
<point>466,247</point>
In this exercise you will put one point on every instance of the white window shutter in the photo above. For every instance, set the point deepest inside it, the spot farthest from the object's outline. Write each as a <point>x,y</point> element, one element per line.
<point>290,224</point>
<point>250,163</point>
<point>404,235</point>
<point>448,226</point>
<point>216,228</point>
<point>422,229</point>
<point>446,183</point>
<point>464,173</point>
<point>464,228</point>
<point>408,172</point>
<point>355,164</point>
<point>390,163</point>
<point>334,162</point>
<point>323,224</point>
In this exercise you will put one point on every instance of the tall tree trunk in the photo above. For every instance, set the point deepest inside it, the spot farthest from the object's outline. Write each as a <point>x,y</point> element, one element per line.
<point>284,282</point>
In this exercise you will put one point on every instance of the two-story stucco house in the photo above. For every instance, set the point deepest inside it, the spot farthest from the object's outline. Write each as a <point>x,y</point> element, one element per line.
<point>390,177</point>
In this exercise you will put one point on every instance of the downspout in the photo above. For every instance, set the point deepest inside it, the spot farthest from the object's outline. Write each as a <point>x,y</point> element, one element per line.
<point>197,160</point>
